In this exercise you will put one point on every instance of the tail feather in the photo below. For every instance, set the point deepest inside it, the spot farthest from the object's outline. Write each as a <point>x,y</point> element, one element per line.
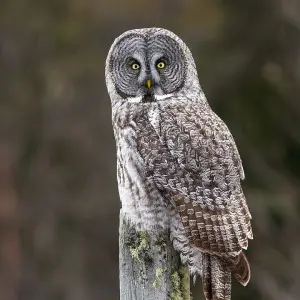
<point>216,274</point>
<point>241,268</point>
<point>207,276</point>
<point>216,278</point>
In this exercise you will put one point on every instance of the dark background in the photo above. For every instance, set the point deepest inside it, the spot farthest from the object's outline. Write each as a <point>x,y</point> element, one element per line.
<point>58,194</point>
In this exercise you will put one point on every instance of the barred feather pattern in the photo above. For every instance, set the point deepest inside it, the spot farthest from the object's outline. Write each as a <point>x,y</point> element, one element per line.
<point>193,161</point>
<point>179,169</point>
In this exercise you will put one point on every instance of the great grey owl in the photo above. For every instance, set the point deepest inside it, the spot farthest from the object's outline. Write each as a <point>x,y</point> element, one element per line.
<point>178,167</point>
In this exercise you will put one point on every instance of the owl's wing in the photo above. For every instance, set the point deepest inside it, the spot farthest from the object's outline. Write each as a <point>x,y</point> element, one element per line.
<point>192,158</point>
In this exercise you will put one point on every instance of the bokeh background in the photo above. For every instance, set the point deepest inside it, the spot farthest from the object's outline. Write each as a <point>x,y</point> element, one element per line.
<point>58,194</point>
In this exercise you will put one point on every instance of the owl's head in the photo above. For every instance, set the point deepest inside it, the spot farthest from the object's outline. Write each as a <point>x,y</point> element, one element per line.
<point>148,65</point>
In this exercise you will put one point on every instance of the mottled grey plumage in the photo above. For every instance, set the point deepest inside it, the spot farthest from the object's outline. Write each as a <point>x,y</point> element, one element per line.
<point>178,166</point>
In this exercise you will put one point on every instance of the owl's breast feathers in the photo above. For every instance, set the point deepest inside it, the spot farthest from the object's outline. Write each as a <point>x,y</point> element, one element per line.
<point>192,158</point>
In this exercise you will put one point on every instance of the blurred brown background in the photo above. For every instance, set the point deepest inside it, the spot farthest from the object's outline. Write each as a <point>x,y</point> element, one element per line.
<point>58,194</point>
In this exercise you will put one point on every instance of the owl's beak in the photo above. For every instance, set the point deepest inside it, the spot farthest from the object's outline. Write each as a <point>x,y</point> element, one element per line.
<point>148,94</point>
<point>148,83</point>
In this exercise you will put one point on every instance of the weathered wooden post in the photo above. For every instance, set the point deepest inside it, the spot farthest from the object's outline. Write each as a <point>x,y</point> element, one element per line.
<point>150,269</point>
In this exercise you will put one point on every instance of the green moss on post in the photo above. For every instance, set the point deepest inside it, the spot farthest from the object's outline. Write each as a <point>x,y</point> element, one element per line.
<point>180,284</point>
<point>158,276</point>
<point>142,245</point>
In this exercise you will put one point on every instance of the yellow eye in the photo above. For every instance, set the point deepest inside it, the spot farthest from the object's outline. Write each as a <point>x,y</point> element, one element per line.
<point>161,65</point>
<point>135,66</point>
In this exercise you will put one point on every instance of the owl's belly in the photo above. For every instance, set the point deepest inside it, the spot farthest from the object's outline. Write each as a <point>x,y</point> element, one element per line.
<point>141,201</point>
